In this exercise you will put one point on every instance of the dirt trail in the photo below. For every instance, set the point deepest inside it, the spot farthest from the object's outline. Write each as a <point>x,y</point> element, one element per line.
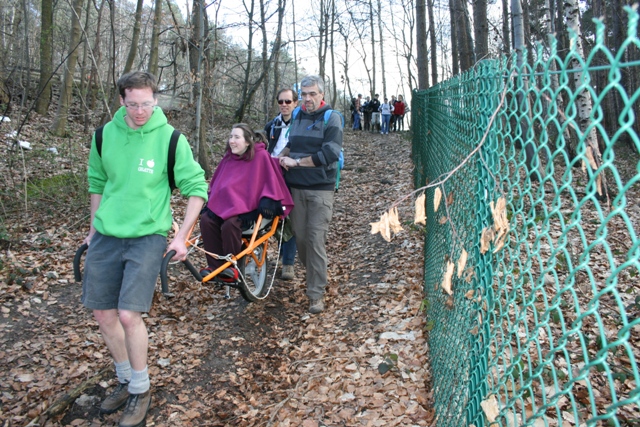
<point>218,362</point>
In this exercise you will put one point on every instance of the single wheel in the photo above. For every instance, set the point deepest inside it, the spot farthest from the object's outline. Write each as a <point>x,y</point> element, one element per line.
<point>254,272</point>
<point>77,259</point>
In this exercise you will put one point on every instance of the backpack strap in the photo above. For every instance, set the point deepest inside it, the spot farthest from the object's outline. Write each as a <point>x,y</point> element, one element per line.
<point>327,115</point>
<point>295,112</point>
<point>98,136</point>
<point>171,158</point>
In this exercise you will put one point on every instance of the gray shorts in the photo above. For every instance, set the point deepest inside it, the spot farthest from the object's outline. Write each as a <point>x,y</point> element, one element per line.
<point>122,273</point>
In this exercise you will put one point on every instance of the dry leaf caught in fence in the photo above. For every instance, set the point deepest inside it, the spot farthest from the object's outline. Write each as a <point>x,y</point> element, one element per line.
<point>485,240</point>
<point>500,223</point>
<point>446,283</point>
<point>462,262</point>
<point>394,222</point>
<point>490,408</point>
<point>437,196</point>
<point>421,216</point>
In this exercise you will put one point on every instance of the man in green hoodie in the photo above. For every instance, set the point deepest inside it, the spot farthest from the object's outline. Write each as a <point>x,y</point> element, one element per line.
<point>130,217</point>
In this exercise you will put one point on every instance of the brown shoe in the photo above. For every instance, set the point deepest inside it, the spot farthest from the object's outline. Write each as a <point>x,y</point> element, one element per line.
<point>316,306</point>
<point>116,399</point>
<point>135,413</point>
<point>287,272</point>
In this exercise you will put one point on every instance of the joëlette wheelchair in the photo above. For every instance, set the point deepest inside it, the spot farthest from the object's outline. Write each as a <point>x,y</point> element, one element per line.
<point>252,262</point>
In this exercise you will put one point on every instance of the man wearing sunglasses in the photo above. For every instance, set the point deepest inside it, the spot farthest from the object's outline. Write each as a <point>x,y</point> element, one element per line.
<point>277,131</point>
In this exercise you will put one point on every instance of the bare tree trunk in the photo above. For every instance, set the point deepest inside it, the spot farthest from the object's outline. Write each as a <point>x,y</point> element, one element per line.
<point>506,33</point>
<point>155,38</point>
<point>179,45</point>
<point>84,84</point>
<point>324,37</point>
<point>549,28</point>
<point>372,88</point>
<point>523,100</point>
<point>382,40</point>
<point>196,53</point>
<point>60,123</point>
<point>334,81</point>
<point>463,35</point>
<point>133,49</point>
<point>407,31</point>
<point>94,79</point>
<point>434,46</point>
<point>421,44</point>
<point>360,29</point>
<point>295,44</point>
<point>455,60</point>
<point>273,58</point>
<point>345,65</point>
<point>46,57</point>
<point>266,69</point>
<point>618,28</point>
<point>239,115</point>
<point>526,26</point>
<point>481,29</point>
<point>135,38</point>
<point>108,114</point>
<point>27,60</point>
<point>583,100</point>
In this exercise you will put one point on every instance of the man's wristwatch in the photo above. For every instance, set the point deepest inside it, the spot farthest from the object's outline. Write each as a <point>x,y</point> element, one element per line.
<point>298,161</point>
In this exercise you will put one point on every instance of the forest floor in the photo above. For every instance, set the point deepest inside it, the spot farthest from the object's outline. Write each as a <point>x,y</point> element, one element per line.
<point>219,362</point>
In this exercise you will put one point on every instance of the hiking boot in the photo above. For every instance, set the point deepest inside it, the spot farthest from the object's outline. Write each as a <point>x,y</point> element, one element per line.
<point>116,399</point>
<point>287,272</point>
<point>135,413</point>
<point>316,306</point>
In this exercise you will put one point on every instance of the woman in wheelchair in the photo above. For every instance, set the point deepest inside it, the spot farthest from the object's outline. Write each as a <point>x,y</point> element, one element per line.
<point>247,182</point>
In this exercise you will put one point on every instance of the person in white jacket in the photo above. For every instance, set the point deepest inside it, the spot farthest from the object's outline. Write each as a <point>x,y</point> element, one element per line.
<point>386,108</point>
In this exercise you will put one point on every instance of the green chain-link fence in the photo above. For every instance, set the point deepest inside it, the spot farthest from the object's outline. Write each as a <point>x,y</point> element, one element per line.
<point>542,327</point>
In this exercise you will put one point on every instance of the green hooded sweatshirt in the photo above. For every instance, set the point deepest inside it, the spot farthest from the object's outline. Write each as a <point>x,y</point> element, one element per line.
<point>132,177</point>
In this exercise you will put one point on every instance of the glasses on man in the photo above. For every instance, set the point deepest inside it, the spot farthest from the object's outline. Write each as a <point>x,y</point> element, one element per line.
<point>284,101</point>
<point>144,106</point>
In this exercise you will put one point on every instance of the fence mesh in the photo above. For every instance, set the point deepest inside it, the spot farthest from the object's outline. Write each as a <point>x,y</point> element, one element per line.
<point>542,323</point>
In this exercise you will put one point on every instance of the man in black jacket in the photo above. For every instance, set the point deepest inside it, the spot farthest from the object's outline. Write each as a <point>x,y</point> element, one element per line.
<point>375,113</point>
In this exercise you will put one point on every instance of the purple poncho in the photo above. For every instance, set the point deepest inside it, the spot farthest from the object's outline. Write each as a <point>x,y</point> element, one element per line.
<point>238,185</point>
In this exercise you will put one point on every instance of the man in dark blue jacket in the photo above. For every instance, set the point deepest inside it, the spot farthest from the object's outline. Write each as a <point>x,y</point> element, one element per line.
<point>315,143</point>
<point>277,131</point>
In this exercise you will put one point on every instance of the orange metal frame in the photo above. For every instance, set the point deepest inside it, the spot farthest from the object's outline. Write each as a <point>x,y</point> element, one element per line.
<point>251,244</point>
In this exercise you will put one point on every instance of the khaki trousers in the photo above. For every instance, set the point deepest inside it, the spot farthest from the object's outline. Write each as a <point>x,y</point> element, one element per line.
<point>310,219</point>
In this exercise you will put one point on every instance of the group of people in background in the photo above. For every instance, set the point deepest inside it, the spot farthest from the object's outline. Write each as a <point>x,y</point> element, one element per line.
<point>371,115</point>
<point>130,193</point>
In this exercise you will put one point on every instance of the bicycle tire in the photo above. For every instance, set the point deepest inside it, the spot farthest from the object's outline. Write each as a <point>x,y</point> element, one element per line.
<point>253,278</point>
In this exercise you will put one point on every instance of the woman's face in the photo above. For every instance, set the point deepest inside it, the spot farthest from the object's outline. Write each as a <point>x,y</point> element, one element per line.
<point>237,143</point>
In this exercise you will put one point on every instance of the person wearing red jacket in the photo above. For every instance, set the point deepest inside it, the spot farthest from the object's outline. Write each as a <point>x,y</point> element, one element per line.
<point>399,108</point>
